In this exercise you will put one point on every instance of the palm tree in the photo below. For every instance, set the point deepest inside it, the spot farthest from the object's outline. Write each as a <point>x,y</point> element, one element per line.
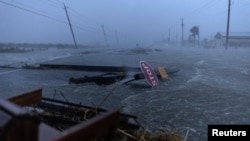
<point>195,32</point>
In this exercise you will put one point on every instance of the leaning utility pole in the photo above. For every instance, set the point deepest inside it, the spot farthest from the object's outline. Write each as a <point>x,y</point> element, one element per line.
<point>117,39</point>
<point>228,21</point>
<point>70,25</point>
<point>169,35</point>
<point>176,38</point>
<point>105,36</point>
<point>198,36</point>
<point>182,26</point>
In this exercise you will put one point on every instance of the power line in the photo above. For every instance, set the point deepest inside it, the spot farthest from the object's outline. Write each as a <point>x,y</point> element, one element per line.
<point>96,25</point>
<point>235,6</point>
<point>81,22</point>
<point>34,12</point>
<point>206,5</point>
<point>51,3</point>
<point>49,17</point>
<point>196,10</point>
<point>39,10</point>
<point>85,17</point>
<point>91,21</point>
<point>40,13</point>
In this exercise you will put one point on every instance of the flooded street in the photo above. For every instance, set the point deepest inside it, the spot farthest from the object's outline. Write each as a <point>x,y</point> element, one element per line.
<point>207,41</point>
<point>212,86</point>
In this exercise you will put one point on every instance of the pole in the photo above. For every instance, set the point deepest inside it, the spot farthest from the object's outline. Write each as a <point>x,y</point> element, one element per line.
<point>176,37</point>
<point>105,36</point>
<point>198,36</point>
<point>117,39</point>
<point>169,35</point>
<point>228,21</point>
<point>70,25</point>
<point>182,26</point>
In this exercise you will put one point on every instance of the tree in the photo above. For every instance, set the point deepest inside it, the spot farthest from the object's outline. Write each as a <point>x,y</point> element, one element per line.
<point>195,32</point>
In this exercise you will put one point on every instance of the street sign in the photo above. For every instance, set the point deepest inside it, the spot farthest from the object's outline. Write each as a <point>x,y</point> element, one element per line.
<point>149,74</point>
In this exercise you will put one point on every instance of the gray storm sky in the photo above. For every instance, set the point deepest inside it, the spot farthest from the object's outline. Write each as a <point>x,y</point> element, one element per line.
<point>134,21</point>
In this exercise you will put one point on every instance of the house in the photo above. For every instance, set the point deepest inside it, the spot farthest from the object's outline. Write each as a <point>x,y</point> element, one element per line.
<point>235,39</point>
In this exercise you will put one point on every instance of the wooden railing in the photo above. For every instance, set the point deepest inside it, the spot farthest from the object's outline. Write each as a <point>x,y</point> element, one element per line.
<point>17,123</point>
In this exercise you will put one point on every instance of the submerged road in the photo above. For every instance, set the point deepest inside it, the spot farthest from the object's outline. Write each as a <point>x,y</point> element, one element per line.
<point>212,87</point>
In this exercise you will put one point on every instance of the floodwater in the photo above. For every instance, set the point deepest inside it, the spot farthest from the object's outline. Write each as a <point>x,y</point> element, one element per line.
<point>212,86</point>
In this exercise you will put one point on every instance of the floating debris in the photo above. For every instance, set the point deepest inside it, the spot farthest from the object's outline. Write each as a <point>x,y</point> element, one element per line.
<point>62,120</point>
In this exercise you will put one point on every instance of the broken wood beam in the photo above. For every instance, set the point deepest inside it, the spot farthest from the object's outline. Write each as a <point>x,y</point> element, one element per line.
<point>16,123</point>
<point>27,98</point>
<point>93,129</point>
<point>89,68</point>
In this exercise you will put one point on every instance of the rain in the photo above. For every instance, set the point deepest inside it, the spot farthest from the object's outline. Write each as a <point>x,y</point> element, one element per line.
<point>213,78</point>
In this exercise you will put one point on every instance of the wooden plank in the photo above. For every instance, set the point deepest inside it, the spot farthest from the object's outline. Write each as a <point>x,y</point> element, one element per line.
<point>19,124</point>
<point>90,68</point>
<point>46,133</point>
<point>93,129</point>
<point>163,72</point>
<point>27,98</point>
<point>12,109</point>
<point>23,129</point>
<point>56,102</point>
<point>95,68</point>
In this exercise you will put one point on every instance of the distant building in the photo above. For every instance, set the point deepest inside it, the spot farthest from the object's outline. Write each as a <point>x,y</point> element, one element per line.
<point>235,39</point>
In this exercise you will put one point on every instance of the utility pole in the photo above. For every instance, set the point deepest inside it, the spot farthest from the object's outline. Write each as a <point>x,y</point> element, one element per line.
<point>198,36</point>
<point>176,38</point>
<point>228,21</point>
<point>169,35</point>
<point>106,40</point>
<point>182,26</point>
<point>117,39</point>
<point>70,25</point>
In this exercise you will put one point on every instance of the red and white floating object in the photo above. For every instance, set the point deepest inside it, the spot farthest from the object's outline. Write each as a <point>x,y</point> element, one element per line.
<point>149,74</point>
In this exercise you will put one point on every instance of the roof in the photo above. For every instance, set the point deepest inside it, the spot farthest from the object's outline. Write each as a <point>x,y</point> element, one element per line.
<point>234,34</point>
